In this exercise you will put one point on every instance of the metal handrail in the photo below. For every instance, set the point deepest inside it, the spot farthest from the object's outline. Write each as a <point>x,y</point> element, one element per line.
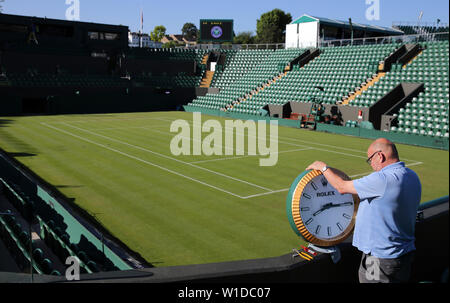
<point>236,46</point>
<point>419,24</point>
<point>384,39</point>
<point>329,43</point>
<point>432,203</point>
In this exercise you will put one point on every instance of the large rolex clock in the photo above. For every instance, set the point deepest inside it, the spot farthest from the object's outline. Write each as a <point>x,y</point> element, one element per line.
<point>317,212</point>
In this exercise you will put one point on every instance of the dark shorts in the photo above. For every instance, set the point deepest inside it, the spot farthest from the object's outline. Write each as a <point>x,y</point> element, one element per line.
<point>376,270</point>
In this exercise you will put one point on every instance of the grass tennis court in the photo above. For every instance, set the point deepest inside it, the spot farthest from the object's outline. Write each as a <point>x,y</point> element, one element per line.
<point>178,210</point>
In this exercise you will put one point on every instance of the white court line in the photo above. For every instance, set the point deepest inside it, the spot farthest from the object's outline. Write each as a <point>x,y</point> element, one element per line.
<point>287,189</point>
<point>247,197</point>
<point>141,160</point>
<point>125,128</point>
<point>191,139</point>
<point>308,142</point>
<point>272,140</point>
<point>103,120</point>
<point>265,194</point>
<point>338,147</point>
<point>293,144</point>
<point>168,157</point>
<point>232,158</point>
<point>415,162</point>
<point>169,119</point>
<point>222,159</point>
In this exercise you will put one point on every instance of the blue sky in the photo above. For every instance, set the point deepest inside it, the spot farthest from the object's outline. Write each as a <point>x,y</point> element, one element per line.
<point>174,13</point>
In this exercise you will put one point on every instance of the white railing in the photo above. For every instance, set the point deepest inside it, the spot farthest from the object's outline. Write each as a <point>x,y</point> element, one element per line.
<point>329,43</point>
<point>235,46</point>
<point>419,24</point>
<point>386,40</point>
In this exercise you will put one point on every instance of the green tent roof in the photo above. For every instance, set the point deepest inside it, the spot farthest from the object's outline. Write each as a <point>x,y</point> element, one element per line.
<point>345,24</point>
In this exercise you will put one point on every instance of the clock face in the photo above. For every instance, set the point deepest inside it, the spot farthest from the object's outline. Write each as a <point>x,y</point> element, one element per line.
<point>318,212</point>
<point>325,212</point>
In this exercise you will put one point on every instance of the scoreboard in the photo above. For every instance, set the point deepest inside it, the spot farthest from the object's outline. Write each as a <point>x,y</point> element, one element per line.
<point>216,30</point>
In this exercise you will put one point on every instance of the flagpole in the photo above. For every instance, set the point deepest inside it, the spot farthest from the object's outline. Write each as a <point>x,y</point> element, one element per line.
<point>420,18</point>
<point>140,30</point>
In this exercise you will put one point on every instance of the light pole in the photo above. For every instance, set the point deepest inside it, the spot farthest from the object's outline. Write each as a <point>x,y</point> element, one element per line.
<point>351,29</point>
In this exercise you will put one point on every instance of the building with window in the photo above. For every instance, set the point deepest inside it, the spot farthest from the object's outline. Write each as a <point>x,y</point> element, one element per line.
<point>309,31</point>
<point>178,38</point>
<point>133,41</point>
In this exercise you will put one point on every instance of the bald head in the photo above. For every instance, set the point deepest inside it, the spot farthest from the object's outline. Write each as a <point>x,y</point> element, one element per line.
<point>388,155</point>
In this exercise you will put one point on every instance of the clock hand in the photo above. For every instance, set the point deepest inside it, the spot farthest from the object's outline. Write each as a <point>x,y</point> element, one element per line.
<point>341,204</point>
<point>324,207</point>
<point>331,205</point>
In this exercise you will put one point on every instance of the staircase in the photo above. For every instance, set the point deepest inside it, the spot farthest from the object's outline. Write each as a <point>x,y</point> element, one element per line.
<point>301,61</point>
<point>404,66</point>
<point>205,59</point>
<point>382,72</point>
<point>365,86</point>
<point>258,90</point>
<point>207,79</point>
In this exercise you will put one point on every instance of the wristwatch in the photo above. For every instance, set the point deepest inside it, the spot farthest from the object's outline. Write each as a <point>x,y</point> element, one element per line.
<point>324,169</point>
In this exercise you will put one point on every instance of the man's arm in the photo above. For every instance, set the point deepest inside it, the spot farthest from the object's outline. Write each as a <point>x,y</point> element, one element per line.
<point>337,178</point>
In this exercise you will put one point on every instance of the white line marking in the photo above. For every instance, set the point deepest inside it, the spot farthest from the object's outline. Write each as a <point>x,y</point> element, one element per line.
<point>287,189</point>
<point>141,160</point>
<point>105,119</point>
<point>338,147</point>
<point>309,142</point>
<point>125,128</point>
<point>193,163</point>
<point>168,119</point>
<point>288,143</point>
<point>167,157</point>
<point>414,164</point>
<point>265,194</point>
<point>233,158</point>
<point>192,139</point>
<point>293,144</point>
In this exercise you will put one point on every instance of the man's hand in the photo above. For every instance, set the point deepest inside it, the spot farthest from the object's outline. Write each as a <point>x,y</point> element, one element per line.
<point>338,179</point>
<point>318,165</point>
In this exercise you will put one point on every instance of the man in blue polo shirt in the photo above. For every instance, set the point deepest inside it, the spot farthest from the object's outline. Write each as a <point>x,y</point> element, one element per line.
<point>385,222</point>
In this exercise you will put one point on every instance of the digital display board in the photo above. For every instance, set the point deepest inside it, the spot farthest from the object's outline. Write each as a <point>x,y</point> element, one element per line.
<point>216,30</point>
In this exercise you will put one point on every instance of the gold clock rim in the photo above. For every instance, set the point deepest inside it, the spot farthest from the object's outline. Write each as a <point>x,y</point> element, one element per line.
<point>296,198</point>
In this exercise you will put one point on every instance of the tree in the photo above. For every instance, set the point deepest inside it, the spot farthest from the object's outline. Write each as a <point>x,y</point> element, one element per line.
<point>245,38</point>
<point>189,31</point>
<point>158,33</point>
<point>271,27</point>
<point>172,44</point>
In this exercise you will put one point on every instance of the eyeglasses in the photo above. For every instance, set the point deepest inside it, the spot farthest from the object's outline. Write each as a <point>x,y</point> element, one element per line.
<point>369,160</point>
